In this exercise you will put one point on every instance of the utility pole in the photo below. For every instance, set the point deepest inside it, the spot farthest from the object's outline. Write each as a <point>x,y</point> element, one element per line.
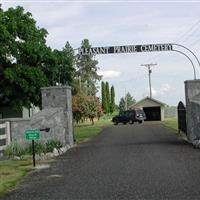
<point>150,71</point>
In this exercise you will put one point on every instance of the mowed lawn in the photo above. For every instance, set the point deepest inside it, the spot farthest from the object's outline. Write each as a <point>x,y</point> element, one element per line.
<point>171,123</point>
<point>11,172</point>
<point>86,130</point>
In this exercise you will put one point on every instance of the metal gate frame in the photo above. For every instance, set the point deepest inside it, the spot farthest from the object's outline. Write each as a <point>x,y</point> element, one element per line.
<point>182,125</point>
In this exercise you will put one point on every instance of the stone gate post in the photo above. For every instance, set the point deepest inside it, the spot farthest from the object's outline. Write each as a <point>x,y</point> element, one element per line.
<point>192,96</point>
<point>60,97</point>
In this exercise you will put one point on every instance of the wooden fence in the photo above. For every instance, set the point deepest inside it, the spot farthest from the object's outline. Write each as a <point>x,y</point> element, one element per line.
<point>4,135</point>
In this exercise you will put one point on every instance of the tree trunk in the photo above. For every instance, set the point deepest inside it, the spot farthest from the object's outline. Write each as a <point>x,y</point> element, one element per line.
<point>92,119</point>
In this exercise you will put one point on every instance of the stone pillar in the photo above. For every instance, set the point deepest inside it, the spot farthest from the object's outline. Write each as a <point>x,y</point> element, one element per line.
<point>60,97</point>
<point>192,96</point>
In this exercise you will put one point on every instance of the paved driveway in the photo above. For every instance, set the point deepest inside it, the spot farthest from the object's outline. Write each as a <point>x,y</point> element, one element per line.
<point>140,161</point>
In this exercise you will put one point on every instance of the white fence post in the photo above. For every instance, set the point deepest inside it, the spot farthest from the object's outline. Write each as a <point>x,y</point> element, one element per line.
<point>8,141</point>
<point>6,135</point>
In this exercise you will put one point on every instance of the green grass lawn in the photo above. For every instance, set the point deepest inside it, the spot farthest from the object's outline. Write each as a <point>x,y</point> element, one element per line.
<point>171,123</point>
<point>86,130</point>
<point>11,172</point>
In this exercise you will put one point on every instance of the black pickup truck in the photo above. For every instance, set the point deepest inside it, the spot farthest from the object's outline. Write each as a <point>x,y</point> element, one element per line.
<point>130,116</point>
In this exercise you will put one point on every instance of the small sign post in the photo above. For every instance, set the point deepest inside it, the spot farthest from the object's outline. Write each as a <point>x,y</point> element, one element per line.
<point>32,134</point>
<point>33,150</point>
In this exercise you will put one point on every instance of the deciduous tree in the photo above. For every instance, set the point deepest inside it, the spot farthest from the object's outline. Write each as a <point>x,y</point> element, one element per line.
<point>92,108</point>
<point>26,63</point>
<point>86,107</point>
<point>78,107</point>
<point>22,53</point>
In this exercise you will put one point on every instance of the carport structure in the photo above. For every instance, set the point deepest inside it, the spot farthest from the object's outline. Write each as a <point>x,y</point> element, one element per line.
<point>153,108</point>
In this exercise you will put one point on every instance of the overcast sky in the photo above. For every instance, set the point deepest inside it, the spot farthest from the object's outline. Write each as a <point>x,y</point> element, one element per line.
<point>110,23</point>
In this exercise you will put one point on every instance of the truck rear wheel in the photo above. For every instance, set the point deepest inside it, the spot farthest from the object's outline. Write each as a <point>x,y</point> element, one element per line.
<point>115,123</point>
<point>131,122</point>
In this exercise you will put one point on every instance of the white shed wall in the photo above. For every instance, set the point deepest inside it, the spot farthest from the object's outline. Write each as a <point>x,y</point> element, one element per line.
<point>162,113</point>
<point>150,103</point>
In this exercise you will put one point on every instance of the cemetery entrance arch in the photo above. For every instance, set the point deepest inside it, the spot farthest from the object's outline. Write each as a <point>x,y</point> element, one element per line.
<point>142,48</point>
<point>192,88</point>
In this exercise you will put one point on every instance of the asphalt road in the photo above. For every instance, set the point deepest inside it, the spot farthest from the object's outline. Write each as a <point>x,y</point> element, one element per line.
<point>140,161</point>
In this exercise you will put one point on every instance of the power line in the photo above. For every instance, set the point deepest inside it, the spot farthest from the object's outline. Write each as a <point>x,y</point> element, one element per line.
<point>194,27</point>
<point>188,31</point>
<point>195,42</point>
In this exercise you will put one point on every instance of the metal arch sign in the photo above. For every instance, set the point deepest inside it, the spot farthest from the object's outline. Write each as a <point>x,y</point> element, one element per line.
<point>125,49</point>
<point>138,48</point>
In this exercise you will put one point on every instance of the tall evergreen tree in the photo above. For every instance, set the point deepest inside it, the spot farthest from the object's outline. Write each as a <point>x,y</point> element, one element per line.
<point>103,95</point>
<point>87,70</point>
<point>130,100</point>
<point>107,98</point>
<point>122,106</point>
<point>63,67</point>
<point>112,99</point>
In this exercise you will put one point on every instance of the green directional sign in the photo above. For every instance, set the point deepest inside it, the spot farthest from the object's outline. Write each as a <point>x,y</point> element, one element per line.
<point>32,134</point>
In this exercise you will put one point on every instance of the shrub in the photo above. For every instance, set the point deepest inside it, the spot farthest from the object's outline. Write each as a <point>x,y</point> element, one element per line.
<point>39,148</point>
<point>14,149</point>
<point>51,144</point>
